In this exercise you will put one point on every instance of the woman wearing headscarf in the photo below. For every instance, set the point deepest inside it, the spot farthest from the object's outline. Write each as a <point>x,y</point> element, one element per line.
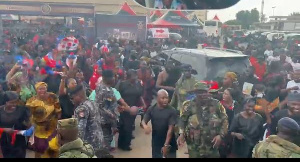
<point>46,111</point>
<point>13,117</point>
<point>19,76</point>
<point>229,81</point>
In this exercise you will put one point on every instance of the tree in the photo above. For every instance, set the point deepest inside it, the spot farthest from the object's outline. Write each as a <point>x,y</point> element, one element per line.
<point>295,14</point>
<point>247,18</point>
<point>254,16</point>
<point>232,22</point>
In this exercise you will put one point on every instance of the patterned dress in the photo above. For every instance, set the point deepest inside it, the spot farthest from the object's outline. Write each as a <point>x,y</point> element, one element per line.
<point>44,118</point>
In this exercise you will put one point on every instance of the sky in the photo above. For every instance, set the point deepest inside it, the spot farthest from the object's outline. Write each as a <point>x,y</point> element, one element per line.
<point>282,8</point>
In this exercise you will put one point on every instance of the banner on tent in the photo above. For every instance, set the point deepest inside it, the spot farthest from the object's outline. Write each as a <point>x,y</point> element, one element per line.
<point>121,27</point>
<point>160,32</point>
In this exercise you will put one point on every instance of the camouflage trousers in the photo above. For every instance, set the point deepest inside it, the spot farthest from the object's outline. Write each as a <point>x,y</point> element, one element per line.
<point>196,152</point>
<point>107,135</point>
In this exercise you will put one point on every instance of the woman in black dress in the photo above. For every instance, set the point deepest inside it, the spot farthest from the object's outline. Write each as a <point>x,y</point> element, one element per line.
<point>131,91</point>
<point>232,108</point>
<point>13,117</point>
<point>246,129</point>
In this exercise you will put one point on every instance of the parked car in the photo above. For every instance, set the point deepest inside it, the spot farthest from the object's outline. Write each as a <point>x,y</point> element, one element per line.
<point>210,63</point>
<point>238,34</point>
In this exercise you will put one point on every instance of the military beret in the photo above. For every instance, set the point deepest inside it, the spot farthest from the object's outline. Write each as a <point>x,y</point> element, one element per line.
<point>201,86</point>
<point>293,97</point>
<point>289,123</point>
<point>71,123</point>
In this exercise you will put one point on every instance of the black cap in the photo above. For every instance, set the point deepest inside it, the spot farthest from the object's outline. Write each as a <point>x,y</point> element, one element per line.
<point>74,91</point>
<point>186,67</point>
<point>289,123</point>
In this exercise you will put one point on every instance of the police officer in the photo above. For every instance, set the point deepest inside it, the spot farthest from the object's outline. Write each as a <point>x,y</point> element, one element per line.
<point>71,145</point>
<point>203,124</point>
<point>108,105</point>
<point>89,119</point>
<point>282,145</point>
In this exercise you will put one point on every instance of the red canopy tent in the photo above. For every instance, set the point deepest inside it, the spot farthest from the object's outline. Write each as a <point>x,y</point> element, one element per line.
<point>126,10</point>
<point>155,15</point>
<point>216,18</point>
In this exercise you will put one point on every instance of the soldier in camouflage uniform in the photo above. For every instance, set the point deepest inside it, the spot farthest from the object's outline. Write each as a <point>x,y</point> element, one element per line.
<point>281,145</point>
<point>185,83</point>
<point>203,124</point>
<point>89,119</point>
<point>107,106</point>
<point>71,145</point>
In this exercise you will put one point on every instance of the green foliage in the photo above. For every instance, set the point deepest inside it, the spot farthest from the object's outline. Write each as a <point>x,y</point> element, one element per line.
<point>247,18</point>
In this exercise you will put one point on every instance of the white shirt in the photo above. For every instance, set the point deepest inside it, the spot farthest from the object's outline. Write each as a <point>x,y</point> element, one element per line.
<point>291,84</point>
<point>277,58</point>
<point>268,53</point>
<point>153,54</point>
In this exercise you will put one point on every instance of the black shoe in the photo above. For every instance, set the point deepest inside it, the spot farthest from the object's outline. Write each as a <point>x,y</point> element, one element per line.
<point>125,148</point>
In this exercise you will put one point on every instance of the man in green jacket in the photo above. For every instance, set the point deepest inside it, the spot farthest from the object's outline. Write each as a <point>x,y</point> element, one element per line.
<point>281,145</point>
<point>71,145</point>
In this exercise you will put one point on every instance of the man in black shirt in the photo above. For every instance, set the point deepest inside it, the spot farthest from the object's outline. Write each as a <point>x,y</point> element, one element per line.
<point>66,104</point>
<point>53,82</point>
<point>133,63</point>
<point>163,118</point>
<point>293,111</point>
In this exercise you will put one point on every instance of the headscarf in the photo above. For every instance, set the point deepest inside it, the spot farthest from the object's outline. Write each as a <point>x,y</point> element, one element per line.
<point>39,84</point>
<point>231,75</point>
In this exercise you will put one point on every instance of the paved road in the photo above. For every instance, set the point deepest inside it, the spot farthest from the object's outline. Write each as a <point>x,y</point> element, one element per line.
<point>141,146</point>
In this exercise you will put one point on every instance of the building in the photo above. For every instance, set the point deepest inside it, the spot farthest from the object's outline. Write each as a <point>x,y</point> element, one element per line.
<point>281,23</point>
<point>106,6</point>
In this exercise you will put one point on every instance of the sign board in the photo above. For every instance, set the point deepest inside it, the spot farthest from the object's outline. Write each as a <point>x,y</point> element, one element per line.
<point>46,9</point>
<point>247,88</point>
<point>160,32</point>
<point>121,26</point>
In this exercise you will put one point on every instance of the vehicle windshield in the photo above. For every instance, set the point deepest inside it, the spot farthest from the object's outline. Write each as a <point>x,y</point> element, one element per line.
<point>219,66</point>
<point>210,23</point>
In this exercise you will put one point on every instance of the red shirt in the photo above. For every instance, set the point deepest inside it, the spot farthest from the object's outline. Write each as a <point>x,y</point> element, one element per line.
<point>259,69</point>
<point>109,63</point>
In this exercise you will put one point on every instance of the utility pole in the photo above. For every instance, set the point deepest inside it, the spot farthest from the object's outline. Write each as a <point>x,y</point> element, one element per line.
<point>273,9</point>
<point>262,11</point>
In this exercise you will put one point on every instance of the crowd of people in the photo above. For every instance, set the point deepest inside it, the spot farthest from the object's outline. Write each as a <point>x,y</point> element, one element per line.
<point>72,103</point>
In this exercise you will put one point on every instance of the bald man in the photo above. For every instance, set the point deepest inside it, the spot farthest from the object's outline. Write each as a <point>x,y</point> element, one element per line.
<point>163,119</point>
